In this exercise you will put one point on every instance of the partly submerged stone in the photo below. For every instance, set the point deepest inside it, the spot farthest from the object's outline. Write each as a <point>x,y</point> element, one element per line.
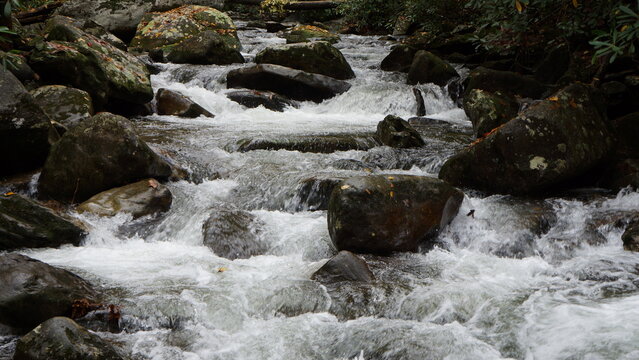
<point>310,143</point>
<point>66,105</point>
<point>172,103</point>
<point>345,266</point>
<point>233,234</point>
<point>396,132</point>
<point>428,68</point>
<point>270,100</point>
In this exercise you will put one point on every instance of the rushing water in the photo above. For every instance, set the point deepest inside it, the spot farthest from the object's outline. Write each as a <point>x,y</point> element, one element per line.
<point>522,279</point>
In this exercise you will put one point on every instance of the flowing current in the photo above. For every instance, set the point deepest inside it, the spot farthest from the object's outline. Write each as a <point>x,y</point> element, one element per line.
<point>521,279</point>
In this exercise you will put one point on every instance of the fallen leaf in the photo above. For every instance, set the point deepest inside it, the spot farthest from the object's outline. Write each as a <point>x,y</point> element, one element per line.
<point>153,183</point>
<point>344,187</point>
<point>553,98</point>
<point>10,193</point>
<point>392,194</point>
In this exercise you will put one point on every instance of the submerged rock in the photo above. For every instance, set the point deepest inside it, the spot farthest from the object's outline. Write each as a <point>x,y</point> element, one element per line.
<point>488,111</point>
<point>26,224</point>
<point>252,99</point>
<point>101,153</point>
<point>32,291</point>
<point>318,57</point>
<point>387,213</point>
<point>233,234</point>
<point>313,193</point>
<point>545,146</point>
<point>306,33</point>
<point>68,106</point>
<point>345,266</point>
<point>205,48</point>
<point>146,197</point>
<point>428,68</point>
<point>311,143</point>
<point>294,84</point>
<point>172,103</point>
<point>397,132</point>
<point>62,338</point>
<point>504,81</point>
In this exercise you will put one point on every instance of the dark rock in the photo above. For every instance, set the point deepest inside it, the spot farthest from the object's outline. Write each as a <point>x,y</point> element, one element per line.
<point>17,65</point>
<point>273,26</point>
<point>318,57</point>
<point>62,338</point>
<point>428,68</point>
<point>233,234</point>
<point>488,111</point>
<point>387,213</point>
<point>101,153</point>
<point>24,127</point>
<point>252,99</point>
<point>68,106</point>
<point>311,143</point>
<point>294,84</point>
<point>620,174</point>
<point>505,82</point>
<point>32,291</point>
<point>27,224</point>
<point>313,193</point>
<point>146,197</point>
<point>345,266</point>
<point>627,131</point>
<point>544,147</point>
<point>172,103</point>
<point>630,237</point>
<point>554,65</point>
<point>397,132</point>
<point>307,33</point>
<point>419,98</point>
<point>351,164</point>
<point>205,48</point>
<point>618,98</point>
<point>399,59</point>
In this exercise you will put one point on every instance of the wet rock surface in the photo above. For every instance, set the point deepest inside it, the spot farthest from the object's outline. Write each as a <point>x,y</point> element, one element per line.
<point>396,132</point>
<point>233,234</point>
<point>252,99</point>
<point>426,67</point>
<point>488,111</point>
<point>345,266</point>
<point>172,103</point>
<point>310,143</point>
<point>314,193</point>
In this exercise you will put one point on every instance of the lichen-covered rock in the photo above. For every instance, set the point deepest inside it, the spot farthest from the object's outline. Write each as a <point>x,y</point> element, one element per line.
<point>294,84</point>
<point>396,132</point>
<point>65,105</point>
<point>546,145</point>
<point>205,48</point>
<point>489,110</point>
<point>26,224</point>
<point>345,266</point>
<point>428,68</point>
<point>324,144</point>
<point>73,57</point>
<point>233,234</point>
<point>61,338</point>
<point>161,30</point>
<point>172,103</point>
<point>24,127</point>
<point>504,81</point>
<point>386,213</point>
<point>399,59</point>
<point>32,291</point>
<point>306,33</point>
<point>143,198</point>
<point>270,100</point>
<point>99,154</point>
<point>318,57</point>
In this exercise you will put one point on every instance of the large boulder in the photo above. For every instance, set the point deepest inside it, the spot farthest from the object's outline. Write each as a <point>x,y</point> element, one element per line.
<point>313,193</point>
<point>345,266</point>
<point>162,30</point>
<point>386,213</point>
<point>307,33</point>
<point>172,103</point>
<point>396,132</point>
<point>545,146</point>
<point>233,234</point>
<point>318,57</point>
<point>294,84</point>
<point>32,291</point>
<point>24,127</point>
<point>399,59</point>
<point>61,338</point>
<point>489,110</point>
<point>428,68</point>
<point>205,48</point>
<point>101,153</point>
<point>27,224</point>
<point>65,105</point>
<point>505,82</point>
<point>146,197</point>
<point>73,57</point>
<point>270,100</point>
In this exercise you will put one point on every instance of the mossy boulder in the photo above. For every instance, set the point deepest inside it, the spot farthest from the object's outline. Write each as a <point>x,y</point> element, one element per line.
<point>507,82</point>
<point>73,57</point>
<point>318,57</point>
<point>396,132</point>
<point>65,105</point>
<point>24,127</point>
<point>143,198</point>
<point>160,30</point>
<point>26,224</point>
<point>172,103</point>
<point>488,111</point>
<point>387,213</point>
<point>205,48</point>
<point>547,145</point>
<point>428,68</point>
<point>307,33</point>
<point>99,154</point>
<point>62,338</point>
<point>233,234</point>
<point>32,291</point>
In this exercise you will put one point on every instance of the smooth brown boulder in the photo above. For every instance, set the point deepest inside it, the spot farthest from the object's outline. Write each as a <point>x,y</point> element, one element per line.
<point>172,103</point>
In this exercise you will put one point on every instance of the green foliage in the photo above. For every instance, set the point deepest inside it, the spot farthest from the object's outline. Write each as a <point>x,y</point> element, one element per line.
<point>623,36</point>
<point>5,31</point>
<point>372,15</point>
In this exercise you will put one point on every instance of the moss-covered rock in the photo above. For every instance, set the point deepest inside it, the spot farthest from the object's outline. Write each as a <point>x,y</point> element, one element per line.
<point>386,213</point>
<point>65,105</point>
<point>159,30</point>
<point>504,81</point>
<point>172,103</point>
<point>307,33</point>
<point>99,154</point>
<point>318,57</point>
<point>428,68</point>
<point>489,110</point>
<point>205,48</point>
<point>545,146</point>
<point>396,132</point>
